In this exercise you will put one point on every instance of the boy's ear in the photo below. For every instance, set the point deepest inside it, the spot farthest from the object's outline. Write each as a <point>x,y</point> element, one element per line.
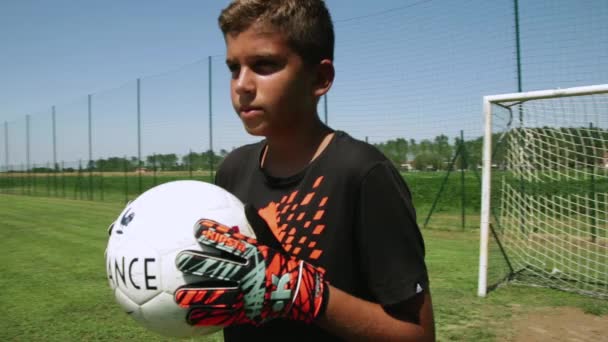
<point>324,77</point>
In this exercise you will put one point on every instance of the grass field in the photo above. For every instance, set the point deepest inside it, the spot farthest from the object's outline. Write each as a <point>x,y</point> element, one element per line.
<point>121,187</point>
<point>53,283</point>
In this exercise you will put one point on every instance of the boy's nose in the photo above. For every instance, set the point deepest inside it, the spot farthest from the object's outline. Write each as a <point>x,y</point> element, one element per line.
<point>244,83</point>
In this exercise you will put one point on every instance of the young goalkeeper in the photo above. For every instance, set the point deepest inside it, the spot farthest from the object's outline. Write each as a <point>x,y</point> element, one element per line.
<point>339,254</point>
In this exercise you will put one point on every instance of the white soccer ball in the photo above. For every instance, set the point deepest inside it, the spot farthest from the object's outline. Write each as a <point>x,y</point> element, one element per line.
<point>143,243</point>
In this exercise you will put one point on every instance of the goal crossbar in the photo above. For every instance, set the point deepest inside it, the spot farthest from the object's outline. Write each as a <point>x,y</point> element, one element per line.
<point>547,94</point>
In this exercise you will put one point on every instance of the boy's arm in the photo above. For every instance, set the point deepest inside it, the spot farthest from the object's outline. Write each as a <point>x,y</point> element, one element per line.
<point>392,258</point>
<point>252,283</point>
<point>352,318</point>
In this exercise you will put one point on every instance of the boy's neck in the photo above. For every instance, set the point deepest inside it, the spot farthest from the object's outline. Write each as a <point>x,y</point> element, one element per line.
<point>288,154</point>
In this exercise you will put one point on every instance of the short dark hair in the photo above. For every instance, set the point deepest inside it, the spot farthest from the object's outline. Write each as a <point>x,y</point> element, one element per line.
<point>306,24</point>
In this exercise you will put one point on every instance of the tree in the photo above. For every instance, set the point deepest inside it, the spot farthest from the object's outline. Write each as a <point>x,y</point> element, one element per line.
<point>413,147</point>
<point>427,161</point>
<point>150,161</point>
<point>113,164</point>
<point>395,150</point>
<point>442,148</point>
<point>90,165</point>
<point>211,159</point>
<point>167,162</point>
<point>193,161</point>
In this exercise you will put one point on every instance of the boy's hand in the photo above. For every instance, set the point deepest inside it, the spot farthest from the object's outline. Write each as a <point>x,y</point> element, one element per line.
<point>244,282</point>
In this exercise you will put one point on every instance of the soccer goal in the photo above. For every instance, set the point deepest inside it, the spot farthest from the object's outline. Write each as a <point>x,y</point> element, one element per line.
<point>544,210</point>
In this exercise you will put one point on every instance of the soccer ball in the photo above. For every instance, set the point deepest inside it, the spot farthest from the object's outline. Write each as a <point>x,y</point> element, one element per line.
<point>143,243</point>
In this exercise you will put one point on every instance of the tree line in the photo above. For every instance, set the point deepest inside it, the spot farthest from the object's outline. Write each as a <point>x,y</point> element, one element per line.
<point>438,153</point>
<point>580,146</point>
<point>572,146</point>
<point>162,162</point>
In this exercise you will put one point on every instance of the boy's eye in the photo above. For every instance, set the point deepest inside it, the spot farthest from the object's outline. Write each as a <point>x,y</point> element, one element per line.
<point>265,67</point>
<point>234,69</point>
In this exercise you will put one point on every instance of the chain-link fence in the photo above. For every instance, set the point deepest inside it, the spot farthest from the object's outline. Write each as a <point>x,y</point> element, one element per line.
<point>409,80</point>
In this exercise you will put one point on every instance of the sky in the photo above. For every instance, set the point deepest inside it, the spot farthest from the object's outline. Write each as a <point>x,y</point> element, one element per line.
<point>405,68</point>
<point>54,51</point>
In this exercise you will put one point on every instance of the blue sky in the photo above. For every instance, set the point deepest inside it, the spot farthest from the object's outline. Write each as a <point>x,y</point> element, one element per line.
<point>411,69</point>
<point>54,51</point>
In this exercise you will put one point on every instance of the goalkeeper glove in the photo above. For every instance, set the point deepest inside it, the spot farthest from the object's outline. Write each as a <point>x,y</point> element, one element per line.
<point>245,282</point>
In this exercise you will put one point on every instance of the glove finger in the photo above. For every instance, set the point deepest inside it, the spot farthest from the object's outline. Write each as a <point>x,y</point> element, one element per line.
<point>210,305</point>
<point>208,298</point>
<point>211,264</point>
<point>211,233</point>
<point>205,317</point>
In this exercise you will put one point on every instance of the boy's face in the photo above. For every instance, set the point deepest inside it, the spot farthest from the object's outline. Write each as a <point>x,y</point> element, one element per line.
<point>271,88</point>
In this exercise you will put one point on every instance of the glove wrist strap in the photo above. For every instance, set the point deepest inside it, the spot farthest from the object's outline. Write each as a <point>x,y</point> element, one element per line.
<point>324,301</point>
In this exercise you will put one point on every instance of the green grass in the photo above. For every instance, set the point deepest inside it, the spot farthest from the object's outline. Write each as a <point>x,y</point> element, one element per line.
<point>460,315</point>
<point>122,187</point>
<point>104,187</point>
<point>425,187</point>
<point>53,283</point>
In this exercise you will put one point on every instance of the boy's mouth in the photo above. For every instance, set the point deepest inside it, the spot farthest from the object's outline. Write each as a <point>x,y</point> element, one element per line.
<point>246,111</point>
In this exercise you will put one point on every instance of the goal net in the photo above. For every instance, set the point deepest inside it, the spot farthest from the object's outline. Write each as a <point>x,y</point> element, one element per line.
<point>545,190</point>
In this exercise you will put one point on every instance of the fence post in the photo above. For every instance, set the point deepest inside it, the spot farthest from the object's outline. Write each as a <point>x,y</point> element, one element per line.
<point>210,118</point>
<point>34,191</point>
<point>48,180</point>
<point>154,168</point>
<point>62,179</point>
<point>126,180</point>
<point>517,44</point>
<point>139,186</point>
<point>8,173</point>
<point>462,168</point>
<point>101,189</point>
<point>90,163</point>
<point>22,177</point>
<point>190,164</point>
<point>54,134</point>
<point>27,155</point>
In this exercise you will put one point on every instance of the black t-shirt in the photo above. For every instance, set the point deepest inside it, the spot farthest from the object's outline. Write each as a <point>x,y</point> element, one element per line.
<point>348,212</point>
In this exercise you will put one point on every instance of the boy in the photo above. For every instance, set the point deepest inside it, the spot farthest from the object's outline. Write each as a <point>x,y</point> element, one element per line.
<point>348,258</point>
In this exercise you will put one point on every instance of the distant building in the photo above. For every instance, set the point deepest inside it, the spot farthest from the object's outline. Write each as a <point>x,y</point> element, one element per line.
<point>407,166</point>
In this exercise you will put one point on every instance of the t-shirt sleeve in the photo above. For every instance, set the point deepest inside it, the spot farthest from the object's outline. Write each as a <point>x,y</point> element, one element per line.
<point>227,170</point>
<point>390,243</point>
<point>219,178</point>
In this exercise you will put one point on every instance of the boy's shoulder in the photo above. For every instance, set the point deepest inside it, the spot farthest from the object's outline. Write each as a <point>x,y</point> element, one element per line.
<point>345,154</point>
<point>355,155</point>
<point>354,150</point>
<point>240,157</point>
<point>245,150</point>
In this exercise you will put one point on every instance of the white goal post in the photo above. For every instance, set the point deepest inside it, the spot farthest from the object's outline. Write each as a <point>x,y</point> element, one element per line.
<point>544,195</point>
